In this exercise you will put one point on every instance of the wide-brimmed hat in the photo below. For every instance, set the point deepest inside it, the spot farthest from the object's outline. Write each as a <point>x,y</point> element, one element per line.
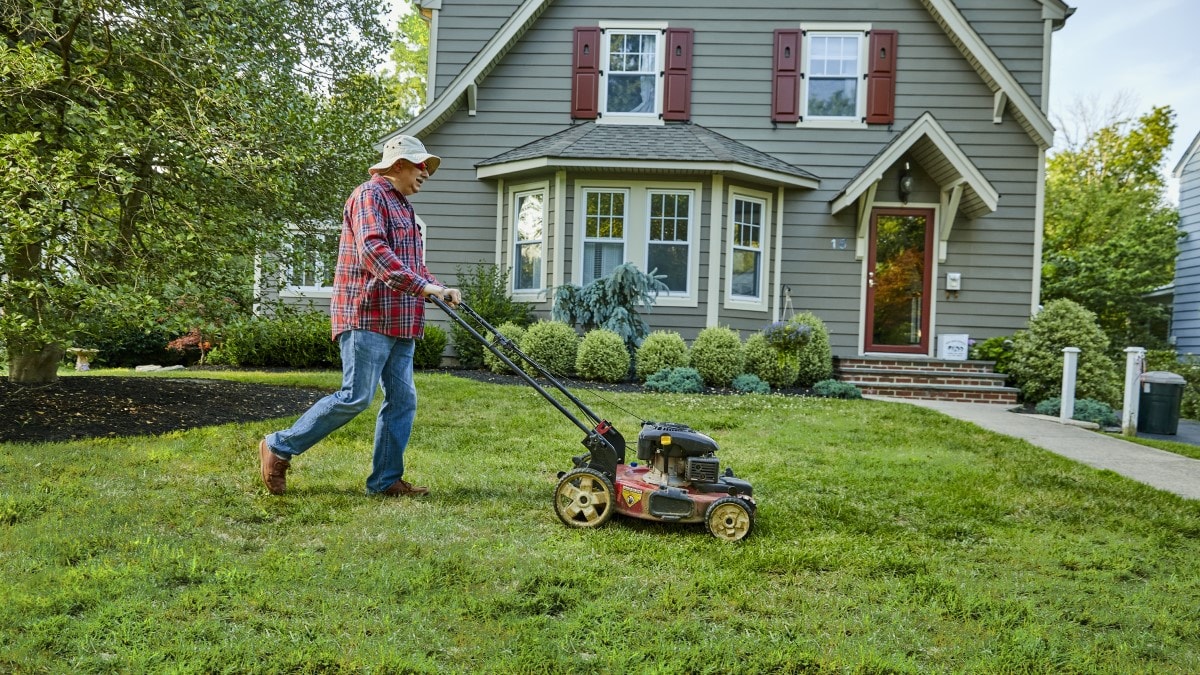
<point>406,147</point>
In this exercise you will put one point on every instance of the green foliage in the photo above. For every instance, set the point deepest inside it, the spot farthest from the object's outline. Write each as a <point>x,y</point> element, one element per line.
<point>748,383</point>
<point>485,288</point>
<point>676,380</point>
<point>718,356</point>
<point>428,353</point>
<point>287,340</point>
<point>515,333</point>
<point>410,63</point>
<point>998,349</point>
<point>836,389</point>
<point>148,152</point>
<point>776,367</point>
<point>1110,233</point>
<point>1086,410</point>
<point>1037,359</point>
<point>661,349</point>
<point>553,344</point>
<point>816,356</point>
<point>602,356</point>
<point>611,302</point>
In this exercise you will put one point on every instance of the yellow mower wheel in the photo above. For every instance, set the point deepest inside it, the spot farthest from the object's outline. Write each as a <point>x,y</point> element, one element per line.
<point>584,498</point>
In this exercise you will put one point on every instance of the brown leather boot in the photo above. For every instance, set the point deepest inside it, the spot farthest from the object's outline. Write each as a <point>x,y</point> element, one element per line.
<point>274,469</point>
<point>402,488</point>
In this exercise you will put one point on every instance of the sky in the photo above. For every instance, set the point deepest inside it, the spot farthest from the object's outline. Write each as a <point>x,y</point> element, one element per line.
<point>1144,51</point>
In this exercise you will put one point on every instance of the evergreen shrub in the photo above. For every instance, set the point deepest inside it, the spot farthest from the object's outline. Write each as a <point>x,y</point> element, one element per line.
<point>485,288</point>
<point>553,344</point>
<point>776,367</point>
<point>835,389</point>
<point>717,354</point>
<point>428,353</point>
<point>816,356</point>
<point>1086,410</point>
<point>602,357</point>
<point>1037,360</point>
<point>749,383</point>
<point>514,332</point>
<point>676,380</point>
<point>661,349</point>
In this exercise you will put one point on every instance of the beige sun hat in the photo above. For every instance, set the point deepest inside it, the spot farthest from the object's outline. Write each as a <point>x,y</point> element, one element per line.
<point>406,147</point>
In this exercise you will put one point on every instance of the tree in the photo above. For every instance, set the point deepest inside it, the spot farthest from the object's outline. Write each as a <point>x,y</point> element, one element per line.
<point>149,148</point>
<point>410,63</point>
<point>1110,234</point>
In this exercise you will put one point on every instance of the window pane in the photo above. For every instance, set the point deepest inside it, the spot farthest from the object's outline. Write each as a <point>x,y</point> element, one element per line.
<point>529,267</point>
<point>632,73</point>
<point>311,260</point>
<point>600,258</point>
<point>745,273</point>
<point>631,93</point>
<point>530,216</point>
<point>832,97</point>
<point>671,260</point>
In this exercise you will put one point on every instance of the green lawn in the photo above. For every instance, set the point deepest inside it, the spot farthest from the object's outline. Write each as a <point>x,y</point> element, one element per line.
<point>889,539</point>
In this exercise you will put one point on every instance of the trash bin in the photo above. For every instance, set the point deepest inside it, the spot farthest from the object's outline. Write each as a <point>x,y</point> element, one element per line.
<point>1159,401</point>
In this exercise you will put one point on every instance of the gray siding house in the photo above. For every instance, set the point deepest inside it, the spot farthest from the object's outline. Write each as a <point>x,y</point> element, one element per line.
<point>880,164</point>
<point>1185,315</point>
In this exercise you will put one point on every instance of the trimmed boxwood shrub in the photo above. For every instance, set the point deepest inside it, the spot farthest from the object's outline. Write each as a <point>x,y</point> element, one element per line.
<point>816,357</point>
<point>430,347</point>
<point>717,355</point>
<point>777,368</point>
<point>661,349</point>
<point>676,380</point>
<point>1086,410</point>
<point>512,331</point>
<point>553,344</point>
<point>836,389</point>
<point>602,356</point>
<point>1037,360</point>
<point>749,383</point>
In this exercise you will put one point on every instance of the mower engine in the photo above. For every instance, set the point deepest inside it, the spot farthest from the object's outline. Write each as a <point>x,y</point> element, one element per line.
<point>680,456</point>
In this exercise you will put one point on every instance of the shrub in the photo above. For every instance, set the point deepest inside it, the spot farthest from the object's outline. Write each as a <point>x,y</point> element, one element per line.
<point>485,288</point>
<point>1037,360</point>
<point>998,349</point>
<point>514,332</point>
<point>816,356</point>
<point>661,349</point>
<point>1086,410</point>
<point>289,340</point>
<point>429,349</point>
<point>748,383</point>
<point>553,344</point>
<point>611,302</point>
<point>717,355</point>
<point>676,380</point>
<point>836,389</point>
<point>602,357</point>
<point>769,364</point>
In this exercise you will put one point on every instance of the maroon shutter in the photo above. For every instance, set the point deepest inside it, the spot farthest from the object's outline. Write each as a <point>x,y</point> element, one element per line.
<point>677,84</point>
<point>881,77</point>
<point>785,87</point>
<point>585,74</point>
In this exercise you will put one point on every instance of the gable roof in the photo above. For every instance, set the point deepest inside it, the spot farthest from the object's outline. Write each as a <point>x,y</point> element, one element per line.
<point>682,148</point>
<point>987,64</point>
<point>1187,156</point>
<point>932,148</point>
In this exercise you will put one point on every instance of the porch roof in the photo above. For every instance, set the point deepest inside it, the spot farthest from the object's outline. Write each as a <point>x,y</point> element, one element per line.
<point>687,149</point>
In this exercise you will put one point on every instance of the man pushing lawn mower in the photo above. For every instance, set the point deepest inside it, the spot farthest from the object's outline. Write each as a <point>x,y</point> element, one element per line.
<point>377,310</point>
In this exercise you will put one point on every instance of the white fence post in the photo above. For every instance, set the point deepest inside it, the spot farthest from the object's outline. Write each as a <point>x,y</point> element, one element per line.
<point>1135,360</point>
<point>1070,368</point>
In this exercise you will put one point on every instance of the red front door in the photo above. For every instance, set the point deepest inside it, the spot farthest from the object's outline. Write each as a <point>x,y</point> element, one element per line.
<point>899,276</point>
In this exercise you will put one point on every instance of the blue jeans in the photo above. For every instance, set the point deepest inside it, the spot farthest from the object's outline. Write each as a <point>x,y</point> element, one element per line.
<point>368,359</point>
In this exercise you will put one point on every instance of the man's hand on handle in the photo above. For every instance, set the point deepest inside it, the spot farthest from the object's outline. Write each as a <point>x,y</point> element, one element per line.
<point>450,296</point>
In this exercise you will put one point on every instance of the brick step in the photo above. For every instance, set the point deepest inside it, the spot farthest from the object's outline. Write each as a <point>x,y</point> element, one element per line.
<point>994,395</point>
<point>936,377</point>
<point>917,364</point>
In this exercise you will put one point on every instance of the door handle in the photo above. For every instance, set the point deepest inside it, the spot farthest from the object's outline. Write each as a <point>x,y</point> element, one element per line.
<point>870,280</point>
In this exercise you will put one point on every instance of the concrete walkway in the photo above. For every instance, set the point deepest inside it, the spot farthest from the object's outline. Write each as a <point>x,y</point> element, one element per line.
<point>1156,468</point>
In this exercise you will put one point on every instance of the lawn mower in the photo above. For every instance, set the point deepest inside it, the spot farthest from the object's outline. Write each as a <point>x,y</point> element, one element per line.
<point>680,482</point>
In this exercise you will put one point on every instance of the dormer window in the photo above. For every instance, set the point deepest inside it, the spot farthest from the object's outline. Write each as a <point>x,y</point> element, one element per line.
<point>629,83</point>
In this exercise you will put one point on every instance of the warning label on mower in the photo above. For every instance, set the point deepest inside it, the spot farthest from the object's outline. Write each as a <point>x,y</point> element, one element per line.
<point>630,496</point>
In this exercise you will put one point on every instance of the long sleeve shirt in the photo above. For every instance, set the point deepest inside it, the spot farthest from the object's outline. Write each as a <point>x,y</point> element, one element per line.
<point>380,273</point>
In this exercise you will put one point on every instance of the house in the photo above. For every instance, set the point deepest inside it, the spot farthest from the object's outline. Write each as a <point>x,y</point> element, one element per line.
<point>880,164</point>
<point>1185,313</point>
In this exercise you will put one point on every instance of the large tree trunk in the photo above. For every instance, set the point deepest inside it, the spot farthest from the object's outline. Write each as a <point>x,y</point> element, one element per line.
<point>35,367</point>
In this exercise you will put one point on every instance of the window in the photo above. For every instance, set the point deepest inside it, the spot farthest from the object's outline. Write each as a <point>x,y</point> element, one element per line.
<point>668,251</point>
<point>630,76</point>
<point>832,86</point>
<point>529,220</point>
<point>309,261</point>
<point>748,233</point>
<point>603,232</point>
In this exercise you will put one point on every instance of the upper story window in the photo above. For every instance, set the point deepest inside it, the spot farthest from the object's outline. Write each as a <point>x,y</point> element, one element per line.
<point>834,65</point>
<point>529,221</point>
<point>630,78</point>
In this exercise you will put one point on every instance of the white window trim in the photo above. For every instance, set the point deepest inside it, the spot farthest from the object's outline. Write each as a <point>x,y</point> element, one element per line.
<point>287,290</point>
<point>860,30</point>
<point>637,230</point>
<point>514,193</point>
<point>659,29</point>
<point>740,301</point>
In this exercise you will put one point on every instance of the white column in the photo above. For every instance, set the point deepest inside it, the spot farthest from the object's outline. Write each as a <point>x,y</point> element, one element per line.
<point>1135,359</point>
<point>1070,368</point>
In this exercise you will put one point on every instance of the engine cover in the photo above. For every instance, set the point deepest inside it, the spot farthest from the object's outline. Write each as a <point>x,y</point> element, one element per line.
<point>672,440</point>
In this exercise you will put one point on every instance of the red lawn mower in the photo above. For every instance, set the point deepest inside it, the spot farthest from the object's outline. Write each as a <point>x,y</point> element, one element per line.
<point>680,482</point>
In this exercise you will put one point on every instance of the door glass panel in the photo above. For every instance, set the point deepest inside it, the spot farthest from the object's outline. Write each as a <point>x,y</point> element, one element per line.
<point>899,280</point>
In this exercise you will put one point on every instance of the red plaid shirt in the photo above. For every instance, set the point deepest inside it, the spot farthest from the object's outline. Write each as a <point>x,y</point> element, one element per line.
<point>380,270</point>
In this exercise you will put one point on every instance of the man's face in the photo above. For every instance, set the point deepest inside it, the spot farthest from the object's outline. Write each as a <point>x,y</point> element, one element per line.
<point>407,177</point>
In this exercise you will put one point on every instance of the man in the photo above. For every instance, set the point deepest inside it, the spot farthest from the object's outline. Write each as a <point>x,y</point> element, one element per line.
<point>379,290</point>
